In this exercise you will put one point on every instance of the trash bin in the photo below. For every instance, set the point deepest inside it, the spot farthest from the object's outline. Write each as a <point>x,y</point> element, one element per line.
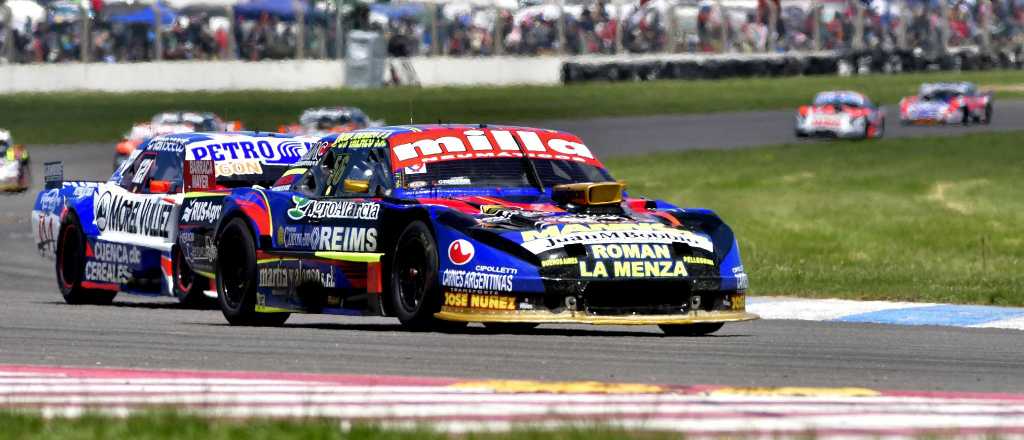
<point>365,59</point>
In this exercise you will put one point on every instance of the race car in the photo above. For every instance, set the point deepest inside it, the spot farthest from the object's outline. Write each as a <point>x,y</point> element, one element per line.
<point>121,235</point>
<point>840,114</point>
<point>15,173</point>
<point>171,123</point>
<point>947,103</point>
<point>441,225</point>
<point>327,120</point>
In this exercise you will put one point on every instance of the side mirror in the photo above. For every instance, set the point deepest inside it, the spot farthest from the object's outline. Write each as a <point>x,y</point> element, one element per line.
<point>159,186</point>
<point>355,186</point>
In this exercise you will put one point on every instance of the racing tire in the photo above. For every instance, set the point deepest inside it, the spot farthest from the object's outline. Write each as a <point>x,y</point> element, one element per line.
<point>510,327</point>
<point>414,290</point>
<point>690,329</point>
<point>880,130</point>
<point>988,115</point>
<point>188,286</point>
<point>967,116</point>
<point>237,278</point>
<point>70,266</point>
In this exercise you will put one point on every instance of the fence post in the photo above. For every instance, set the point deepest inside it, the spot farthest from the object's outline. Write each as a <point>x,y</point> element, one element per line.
<point>435,44</point>
<point>944,33</point>
<point>724,17</point>
<point>158,27</point>
<point>901,28</point>
<point>816,25</point>
<point>86,37</point>
<point>773,25</point>
<point>232,42</point>
<point>8,33</point>
<point>339,30</point>
<point>672,37</point>
<point>984,21</point>
<point>497,40</point>
<point>300,29</point>
<point>560,27</point>
<point>619,20</point>
<point>858,27</point>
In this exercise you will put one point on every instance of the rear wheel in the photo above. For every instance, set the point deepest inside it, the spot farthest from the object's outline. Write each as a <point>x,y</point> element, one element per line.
<point>690,329</point>
<point>988,115</point>
<point>188,285</point>
<point>967,116</point>
<point>236,278</point>
<point>415,292</point>
<point>70,266</point>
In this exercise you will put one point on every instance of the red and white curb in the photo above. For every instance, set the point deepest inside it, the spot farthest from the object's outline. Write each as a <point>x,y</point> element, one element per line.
<point>458,406</point>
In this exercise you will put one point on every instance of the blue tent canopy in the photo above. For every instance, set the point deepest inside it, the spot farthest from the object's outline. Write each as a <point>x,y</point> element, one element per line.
<point>282,9</point>
<point>144,15</point>
<point>398,11</point>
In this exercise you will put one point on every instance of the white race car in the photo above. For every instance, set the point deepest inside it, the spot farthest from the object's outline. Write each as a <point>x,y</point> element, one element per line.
<point>840,114</point>
<point>15,175</point>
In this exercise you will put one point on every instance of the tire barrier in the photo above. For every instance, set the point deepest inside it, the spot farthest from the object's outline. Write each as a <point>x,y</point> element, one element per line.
<point>646,68</point>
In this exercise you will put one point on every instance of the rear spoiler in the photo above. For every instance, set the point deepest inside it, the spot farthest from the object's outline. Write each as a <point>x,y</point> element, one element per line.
<point>53,175</point>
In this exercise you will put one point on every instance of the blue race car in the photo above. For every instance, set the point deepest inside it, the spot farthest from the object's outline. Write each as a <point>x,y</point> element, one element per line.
<point>441,225</point>
<point>120,235</point>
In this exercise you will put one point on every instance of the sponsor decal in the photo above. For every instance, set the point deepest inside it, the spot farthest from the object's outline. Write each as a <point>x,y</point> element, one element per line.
<point>478,280</point>
<point>239,167</point>
<point>415,148</point>
<point>632,269</point>
<point>631,251</point>
<point>556,236</point>
<point>742,283</point>
<point>416,169</point>
<point>46,233</point>
<point>112,262</point>
<point>201,211</point>
<point>50,201</point>
<point>736,301</point>
<point>287,277</point>
<point>167,144</point>
<point>143,171</point>
<point>698,260</point>
<point>332,238</point>
<point>460,180</point>
<point>460,252</point>
<point>334,209</point>
<point>270,151</point>
<point>132,214</point>
<point>199,175</point>
<point>363,139</point>
<point>564,261</point>
<point>478,301</point>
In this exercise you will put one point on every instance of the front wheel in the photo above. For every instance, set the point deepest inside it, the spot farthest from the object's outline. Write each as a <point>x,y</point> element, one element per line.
<point>236,278</point>
<point>988,115</point>
<point>690,329</point>
<point>414,290</point>
<point>70,266</point>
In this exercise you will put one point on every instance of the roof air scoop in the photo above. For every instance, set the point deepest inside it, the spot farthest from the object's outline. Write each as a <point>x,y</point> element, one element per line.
<point>590,198</point>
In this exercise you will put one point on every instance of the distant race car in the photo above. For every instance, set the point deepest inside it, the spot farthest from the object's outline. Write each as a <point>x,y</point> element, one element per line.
<point>171,123</point>
<point>121,235</point>
<point>840,114</point>
<point>439,225</point>
<point>15,173</point>
<point>327,120</point>
<point>947,103</point>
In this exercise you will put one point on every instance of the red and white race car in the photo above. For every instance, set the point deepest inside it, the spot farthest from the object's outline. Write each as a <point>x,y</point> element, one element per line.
<point>322,121</point>
<point>947,103</point>
<point>174,122</point>
<point>840,114</point>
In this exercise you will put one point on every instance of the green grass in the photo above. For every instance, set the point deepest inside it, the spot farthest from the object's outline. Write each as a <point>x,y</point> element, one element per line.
<point>926,219</point>
<point>171,425</point>
<point>100,117</point>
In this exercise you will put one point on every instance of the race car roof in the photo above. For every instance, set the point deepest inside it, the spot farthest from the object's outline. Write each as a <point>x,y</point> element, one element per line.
<point>841,96</point>
<point>414,145</point>
<point>263,147</point>
<point>955,87</point>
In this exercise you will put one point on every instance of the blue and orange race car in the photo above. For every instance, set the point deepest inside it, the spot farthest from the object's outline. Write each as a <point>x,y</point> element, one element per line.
<point>441,225</point>
<point>120,235</point>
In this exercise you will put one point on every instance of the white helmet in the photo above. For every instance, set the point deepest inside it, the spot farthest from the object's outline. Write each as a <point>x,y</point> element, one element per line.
<point>5,137</point>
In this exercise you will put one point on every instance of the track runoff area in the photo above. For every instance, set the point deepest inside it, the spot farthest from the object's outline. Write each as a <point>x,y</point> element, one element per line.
<point>860,389</point>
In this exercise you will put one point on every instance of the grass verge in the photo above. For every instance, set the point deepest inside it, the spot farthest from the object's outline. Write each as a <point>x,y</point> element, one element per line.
<point>102,117</point>
<point>920,219</point>
<point>171,425</point>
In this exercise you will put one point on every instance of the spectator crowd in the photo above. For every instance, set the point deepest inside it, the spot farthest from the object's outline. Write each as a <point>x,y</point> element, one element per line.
<point>102,31</point>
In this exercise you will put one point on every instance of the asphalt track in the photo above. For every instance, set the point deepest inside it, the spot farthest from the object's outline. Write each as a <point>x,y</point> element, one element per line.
<point>36,327</point>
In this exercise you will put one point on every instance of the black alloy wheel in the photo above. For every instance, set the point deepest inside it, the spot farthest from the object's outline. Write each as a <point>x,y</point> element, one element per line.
<point>415,292</point>
<point>237,274</point>
<point>70,266</point>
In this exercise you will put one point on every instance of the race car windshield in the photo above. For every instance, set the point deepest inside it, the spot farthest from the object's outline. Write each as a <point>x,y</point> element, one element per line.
<point>837,101</point>
<point>500,172</point>
<point>941,95</point>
